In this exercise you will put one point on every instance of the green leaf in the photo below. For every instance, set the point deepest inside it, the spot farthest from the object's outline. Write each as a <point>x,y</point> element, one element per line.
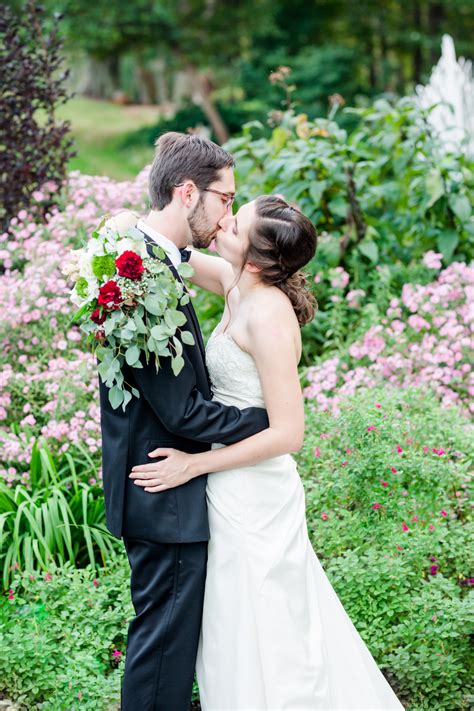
<point>80,312</point>
<point>175,318</point>
<point>177,364</point>
<point>160,332</point>
<point>178,346</point>
<point>153,305</point>
<point>188,338</point>
<point>132,354</point>
<point>316,191</point>
<point>115,397</point>
<point>460,206</point>
<point>370,250</point>
<point>280,137</point>
<point>434,186</point>
<point>127,396</point>
<point>447,242</point>
<point>185,270</point>
<point>338,206</point>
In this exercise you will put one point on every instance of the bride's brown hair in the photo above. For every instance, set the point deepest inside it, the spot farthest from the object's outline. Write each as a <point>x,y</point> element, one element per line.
<point>282,240</point>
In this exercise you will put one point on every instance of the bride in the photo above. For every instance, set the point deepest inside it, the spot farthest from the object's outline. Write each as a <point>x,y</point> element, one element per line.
<point>274,634</point>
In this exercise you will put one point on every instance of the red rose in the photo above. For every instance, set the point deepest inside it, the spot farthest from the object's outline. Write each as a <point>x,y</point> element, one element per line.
<point>130,265</point>
<point>97,318</point>
<point>110,294</point>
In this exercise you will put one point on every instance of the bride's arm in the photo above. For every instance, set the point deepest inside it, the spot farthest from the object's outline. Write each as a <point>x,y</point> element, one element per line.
<point>211,273</point>
<point>276,355</point>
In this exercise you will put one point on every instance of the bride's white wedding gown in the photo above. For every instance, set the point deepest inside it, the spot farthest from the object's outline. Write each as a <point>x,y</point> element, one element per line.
<point>274,634</point>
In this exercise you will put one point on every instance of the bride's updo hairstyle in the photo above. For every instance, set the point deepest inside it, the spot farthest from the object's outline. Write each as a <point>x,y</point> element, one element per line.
<point>282,240</point>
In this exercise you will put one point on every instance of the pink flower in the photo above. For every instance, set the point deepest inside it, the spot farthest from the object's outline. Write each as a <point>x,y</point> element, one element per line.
<point>384,483</point>
<point>376,505</point>
<point>399,449</point>
<point>11,596</point>
<point>432,260</point>
<point>393,470</point>
<point>348,451</point>
<point>433,570</point>
<point>426,449</point>
<point>317,452</point>
<point>378,405</point>
<point>399,548</point>
<point>95,583</point>
<point>48,577</point>
<point>405,527</point>
<point>370,428</point>
<point>344,464</point>
<point>439,452</point>
<point>117,654</point>
<point>444,513</point>
<point>431,527</point>
<point>324,516</point>
<point>414,519</point>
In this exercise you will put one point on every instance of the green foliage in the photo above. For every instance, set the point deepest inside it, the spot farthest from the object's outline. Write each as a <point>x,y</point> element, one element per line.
<point>58,635</point>
<point>385,192</point>
<point>61,520</point>
<point>405,590</point>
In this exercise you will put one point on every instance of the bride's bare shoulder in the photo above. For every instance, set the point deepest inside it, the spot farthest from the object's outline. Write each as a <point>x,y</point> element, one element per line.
<point>271,308</point>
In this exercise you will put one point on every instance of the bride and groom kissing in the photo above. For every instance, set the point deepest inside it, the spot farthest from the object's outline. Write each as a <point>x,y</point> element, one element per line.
<point>198,476</point>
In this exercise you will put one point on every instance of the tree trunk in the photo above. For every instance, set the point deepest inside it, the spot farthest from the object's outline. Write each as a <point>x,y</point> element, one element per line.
<point>202,96</point>
<point>435,22</point>
<point>148,83</point>
<point>417,49</point>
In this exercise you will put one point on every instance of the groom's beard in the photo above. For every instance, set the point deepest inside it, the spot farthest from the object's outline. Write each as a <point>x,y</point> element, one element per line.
<point>202,233</point>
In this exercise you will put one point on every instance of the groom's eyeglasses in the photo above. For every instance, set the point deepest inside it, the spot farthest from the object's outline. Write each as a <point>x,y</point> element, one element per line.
<point>229,197</point>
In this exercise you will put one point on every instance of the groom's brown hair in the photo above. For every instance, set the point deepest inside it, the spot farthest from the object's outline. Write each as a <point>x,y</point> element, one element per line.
<point>180,157</point>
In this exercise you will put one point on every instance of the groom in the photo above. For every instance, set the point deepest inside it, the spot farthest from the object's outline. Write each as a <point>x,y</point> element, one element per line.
<point>165,535</point>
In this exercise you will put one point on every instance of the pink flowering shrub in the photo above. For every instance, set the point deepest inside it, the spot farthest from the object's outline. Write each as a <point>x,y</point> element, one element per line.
<point>426,339</point>
<point>48,382</point>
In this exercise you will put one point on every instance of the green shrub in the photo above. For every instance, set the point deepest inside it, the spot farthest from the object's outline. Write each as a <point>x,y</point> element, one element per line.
<point>62,637</point>
<point>401,569</point>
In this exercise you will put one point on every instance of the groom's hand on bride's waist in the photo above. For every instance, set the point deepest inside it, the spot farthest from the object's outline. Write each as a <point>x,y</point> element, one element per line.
<point>174,469</point>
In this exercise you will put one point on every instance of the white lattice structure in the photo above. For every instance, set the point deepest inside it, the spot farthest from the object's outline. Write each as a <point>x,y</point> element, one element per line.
<point>452,87</point>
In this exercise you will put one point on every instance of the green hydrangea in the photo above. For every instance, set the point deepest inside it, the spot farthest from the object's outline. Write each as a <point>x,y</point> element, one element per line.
<point>104,265</point>
<point>82,288</point>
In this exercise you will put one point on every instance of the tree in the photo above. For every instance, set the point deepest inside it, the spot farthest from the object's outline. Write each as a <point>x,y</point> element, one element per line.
<point>35,152</point>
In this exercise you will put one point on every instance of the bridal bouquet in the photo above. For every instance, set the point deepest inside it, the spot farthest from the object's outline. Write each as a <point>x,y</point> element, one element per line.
<point>127,304</point>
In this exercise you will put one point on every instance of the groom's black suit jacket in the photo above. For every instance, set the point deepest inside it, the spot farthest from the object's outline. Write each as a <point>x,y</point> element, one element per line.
<point>172,411</point>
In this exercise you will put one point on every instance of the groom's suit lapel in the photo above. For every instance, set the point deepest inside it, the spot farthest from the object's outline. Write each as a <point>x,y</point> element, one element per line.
<point>187,308</point>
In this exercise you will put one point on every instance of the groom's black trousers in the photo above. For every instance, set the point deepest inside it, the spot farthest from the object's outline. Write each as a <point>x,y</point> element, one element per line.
<point>167,585</point>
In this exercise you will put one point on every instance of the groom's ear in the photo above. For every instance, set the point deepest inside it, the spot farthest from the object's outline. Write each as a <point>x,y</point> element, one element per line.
<point>186,192</point>
<point>252,268</point>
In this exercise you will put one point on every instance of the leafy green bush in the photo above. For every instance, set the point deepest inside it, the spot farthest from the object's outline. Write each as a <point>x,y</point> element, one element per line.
<point>381,194</point>
<point>63,637</point>
<point>388,516</point>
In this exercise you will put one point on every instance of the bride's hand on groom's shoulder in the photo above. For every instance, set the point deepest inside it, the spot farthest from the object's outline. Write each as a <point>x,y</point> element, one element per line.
<point>173,470</point>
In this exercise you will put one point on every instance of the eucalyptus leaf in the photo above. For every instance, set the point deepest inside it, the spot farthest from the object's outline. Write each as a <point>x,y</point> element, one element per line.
<point>185,270</point>
<point>177,364</point>
<point>188,338</point>
<point>132,354</point>
<point>116,396</point>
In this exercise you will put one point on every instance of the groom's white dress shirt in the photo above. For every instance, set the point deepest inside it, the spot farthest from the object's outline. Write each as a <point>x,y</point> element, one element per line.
<point>170,248</point>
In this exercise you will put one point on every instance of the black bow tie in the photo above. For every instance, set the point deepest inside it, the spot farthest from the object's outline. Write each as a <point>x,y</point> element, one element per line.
<point>185,254</point>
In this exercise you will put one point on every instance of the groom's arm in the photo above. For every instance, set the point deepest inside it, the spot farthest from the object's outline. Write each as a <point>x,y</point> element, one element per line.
<point>184,411</point>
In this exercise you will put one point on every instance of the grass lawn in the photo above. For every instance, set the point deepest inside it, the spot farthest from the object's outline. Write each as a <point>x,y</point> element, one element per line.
<point>98,128</point>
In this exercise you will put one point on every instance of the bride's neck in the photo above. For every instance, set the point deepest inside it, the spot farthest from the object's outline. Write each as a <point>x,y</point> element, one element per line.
<point>248,282</point>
